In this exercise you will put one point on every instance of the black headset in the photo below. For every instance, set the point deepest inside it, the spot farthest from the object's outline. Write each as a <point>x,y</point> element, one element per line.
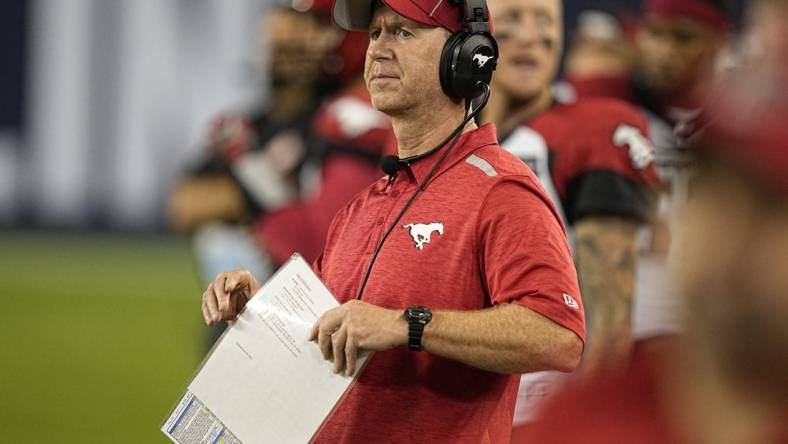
<point>470,55</point>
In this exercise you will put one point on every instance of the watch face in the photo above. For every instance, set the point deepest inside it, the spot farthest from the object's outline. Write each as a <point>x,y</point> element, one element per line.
<point>419,314</point>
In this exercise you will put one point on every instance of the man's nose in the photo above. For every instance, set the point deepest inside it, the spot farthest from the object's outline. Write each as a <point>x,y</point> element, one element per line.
<point>380,48</point>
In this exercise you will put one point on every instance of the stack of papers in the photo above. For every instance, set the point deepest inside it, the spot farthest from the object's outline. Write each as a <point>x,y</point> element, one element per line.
<point>264,382</point>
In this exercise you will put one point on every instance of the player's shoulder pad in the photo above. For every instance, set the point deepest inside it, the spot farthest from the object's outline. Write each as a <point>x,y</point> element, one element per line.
<point>348,119</point>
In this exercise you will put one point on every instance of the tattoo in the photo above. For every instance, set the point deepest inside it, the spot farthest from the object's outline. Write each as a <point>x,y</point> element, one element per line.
<point>606,261</point>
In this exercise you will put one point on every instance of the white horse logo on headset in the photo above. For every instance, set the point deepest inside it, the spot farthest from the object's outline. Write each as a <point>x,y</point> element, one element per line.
<point>421,233</point>
<point>481,59</point>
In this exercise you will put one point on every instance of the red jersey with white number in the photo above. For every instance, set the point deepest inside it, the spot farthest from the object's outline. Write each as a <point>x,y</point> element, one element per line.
<point>593,156</point>
<point>594,159</point>
<point>675,123</point>
<point>483,232</point>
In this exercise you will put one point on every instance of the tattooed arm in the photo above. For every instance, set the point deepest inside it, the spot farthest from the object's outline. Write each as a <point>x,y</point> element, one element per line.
<point>606,259</point>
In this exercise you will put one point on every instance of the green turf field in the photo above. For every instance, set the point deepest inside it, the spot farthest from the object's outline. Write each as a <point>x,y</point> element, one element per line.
<point>98,334</point>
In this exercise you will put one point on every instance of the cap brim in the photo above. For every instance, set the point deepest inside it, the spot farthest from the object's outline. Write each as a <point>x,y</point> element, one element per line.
<point>353,15</point>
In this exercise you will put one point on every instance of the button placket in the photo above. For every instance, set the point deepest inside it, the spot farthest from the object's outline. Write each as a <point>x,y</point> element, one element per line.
<point>380,222</point>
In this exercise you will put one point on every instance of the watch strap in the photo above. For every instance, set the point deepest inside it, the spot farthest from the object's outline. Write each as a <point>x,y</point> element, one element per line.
<point>415,331</point>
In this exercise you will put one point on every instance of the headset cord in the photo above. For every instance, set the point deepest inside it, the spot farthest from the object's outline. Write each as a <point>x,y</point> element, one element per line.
<point>454,136</point>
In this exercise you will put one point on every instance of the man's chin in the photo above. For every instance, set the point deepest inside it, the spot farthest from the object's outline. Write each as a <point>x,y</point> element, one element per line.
<point>387,103</point>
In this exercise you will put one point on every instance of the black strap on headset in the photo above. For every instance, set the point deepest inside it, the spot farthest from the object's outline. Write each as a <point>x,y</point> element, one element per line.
<point>476,17</point>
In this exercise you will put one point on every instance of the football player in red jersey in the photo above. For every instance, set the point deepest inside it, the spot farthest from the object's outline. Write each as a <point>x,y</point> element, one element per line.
<point>679,46</point>
<point>353,136</point>
<point>726,382</point>
<point>595,159</point>
<point>297,161</point>
<point>216,189</point>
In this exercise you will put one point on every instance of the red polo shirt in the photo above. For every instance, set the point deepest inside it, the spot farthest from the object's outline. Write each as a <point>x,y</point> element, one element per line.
<point>482,232</point>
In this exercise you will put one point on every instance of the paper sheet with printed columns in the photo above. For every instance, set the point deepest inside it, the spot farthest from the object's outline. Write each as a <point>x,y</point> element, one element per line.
<point>264,380</point>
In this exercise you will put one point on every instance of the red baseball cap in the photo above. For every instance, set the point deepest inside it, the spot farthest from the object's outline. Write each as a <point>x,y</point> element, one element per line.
<point>355,15</point>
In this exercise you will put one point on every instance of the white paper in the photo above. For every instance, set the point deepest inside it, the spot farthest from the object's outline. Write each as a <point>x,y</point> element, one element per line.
<point>264,380</point>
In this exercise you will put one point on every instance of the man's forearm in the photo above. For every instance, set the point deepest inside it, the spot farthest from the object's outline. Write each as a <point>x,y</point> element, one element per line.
<point>606,259</point>
<point>506,339</point>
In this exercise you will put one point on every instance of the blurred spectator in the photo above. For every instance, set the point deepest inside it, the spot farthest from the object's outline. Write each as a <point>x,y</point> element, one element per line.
<point>601,52</point>
<point>725,381</point>
<point>352,136</point>
<point>594,158</point>
<point>273,181</point>
<point>238,145</point>
<point>678,44</point>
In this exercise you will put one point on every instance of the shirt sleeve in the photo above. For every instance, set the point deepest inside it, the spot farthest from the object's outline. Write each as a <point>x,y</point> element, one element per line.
<point>524,254</point>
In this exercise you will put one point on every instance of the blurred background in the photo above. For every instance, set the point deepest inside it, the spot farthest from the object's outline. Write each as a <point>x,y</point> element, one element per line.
<point>103,106</point>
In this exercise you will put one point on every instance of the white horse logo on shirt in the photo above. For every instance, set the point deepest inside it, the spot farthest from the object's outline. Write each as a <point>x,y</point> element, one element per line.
<point>421,233</point>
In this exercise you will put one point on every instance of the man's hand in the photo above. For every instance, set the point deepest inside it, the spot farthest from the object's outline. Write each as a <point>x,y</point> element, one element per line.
<point>341,332</point>
<point>227,295</point>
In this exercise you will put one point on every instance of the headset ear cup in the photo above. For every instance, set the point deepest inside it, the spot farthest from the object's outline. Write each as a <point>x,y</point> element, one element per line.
<point>467,60</point>
<point>447,69</point>
<point>476,60</point>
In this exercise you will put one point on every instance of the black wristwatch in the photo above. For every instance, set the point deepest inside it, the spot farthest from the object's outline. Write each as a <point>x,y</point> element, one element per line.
<point>417,318</point>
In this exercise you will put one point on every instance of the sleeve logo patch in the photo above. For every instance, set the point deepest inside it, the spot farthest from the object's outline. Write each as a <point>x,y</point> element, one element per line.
<point>571,302</point>
<point>641,150</point>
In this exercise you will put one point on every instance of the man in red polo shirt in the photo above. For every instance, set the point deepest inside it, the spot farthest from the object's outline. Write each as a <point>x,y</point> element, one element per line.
<point>460,237</point>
